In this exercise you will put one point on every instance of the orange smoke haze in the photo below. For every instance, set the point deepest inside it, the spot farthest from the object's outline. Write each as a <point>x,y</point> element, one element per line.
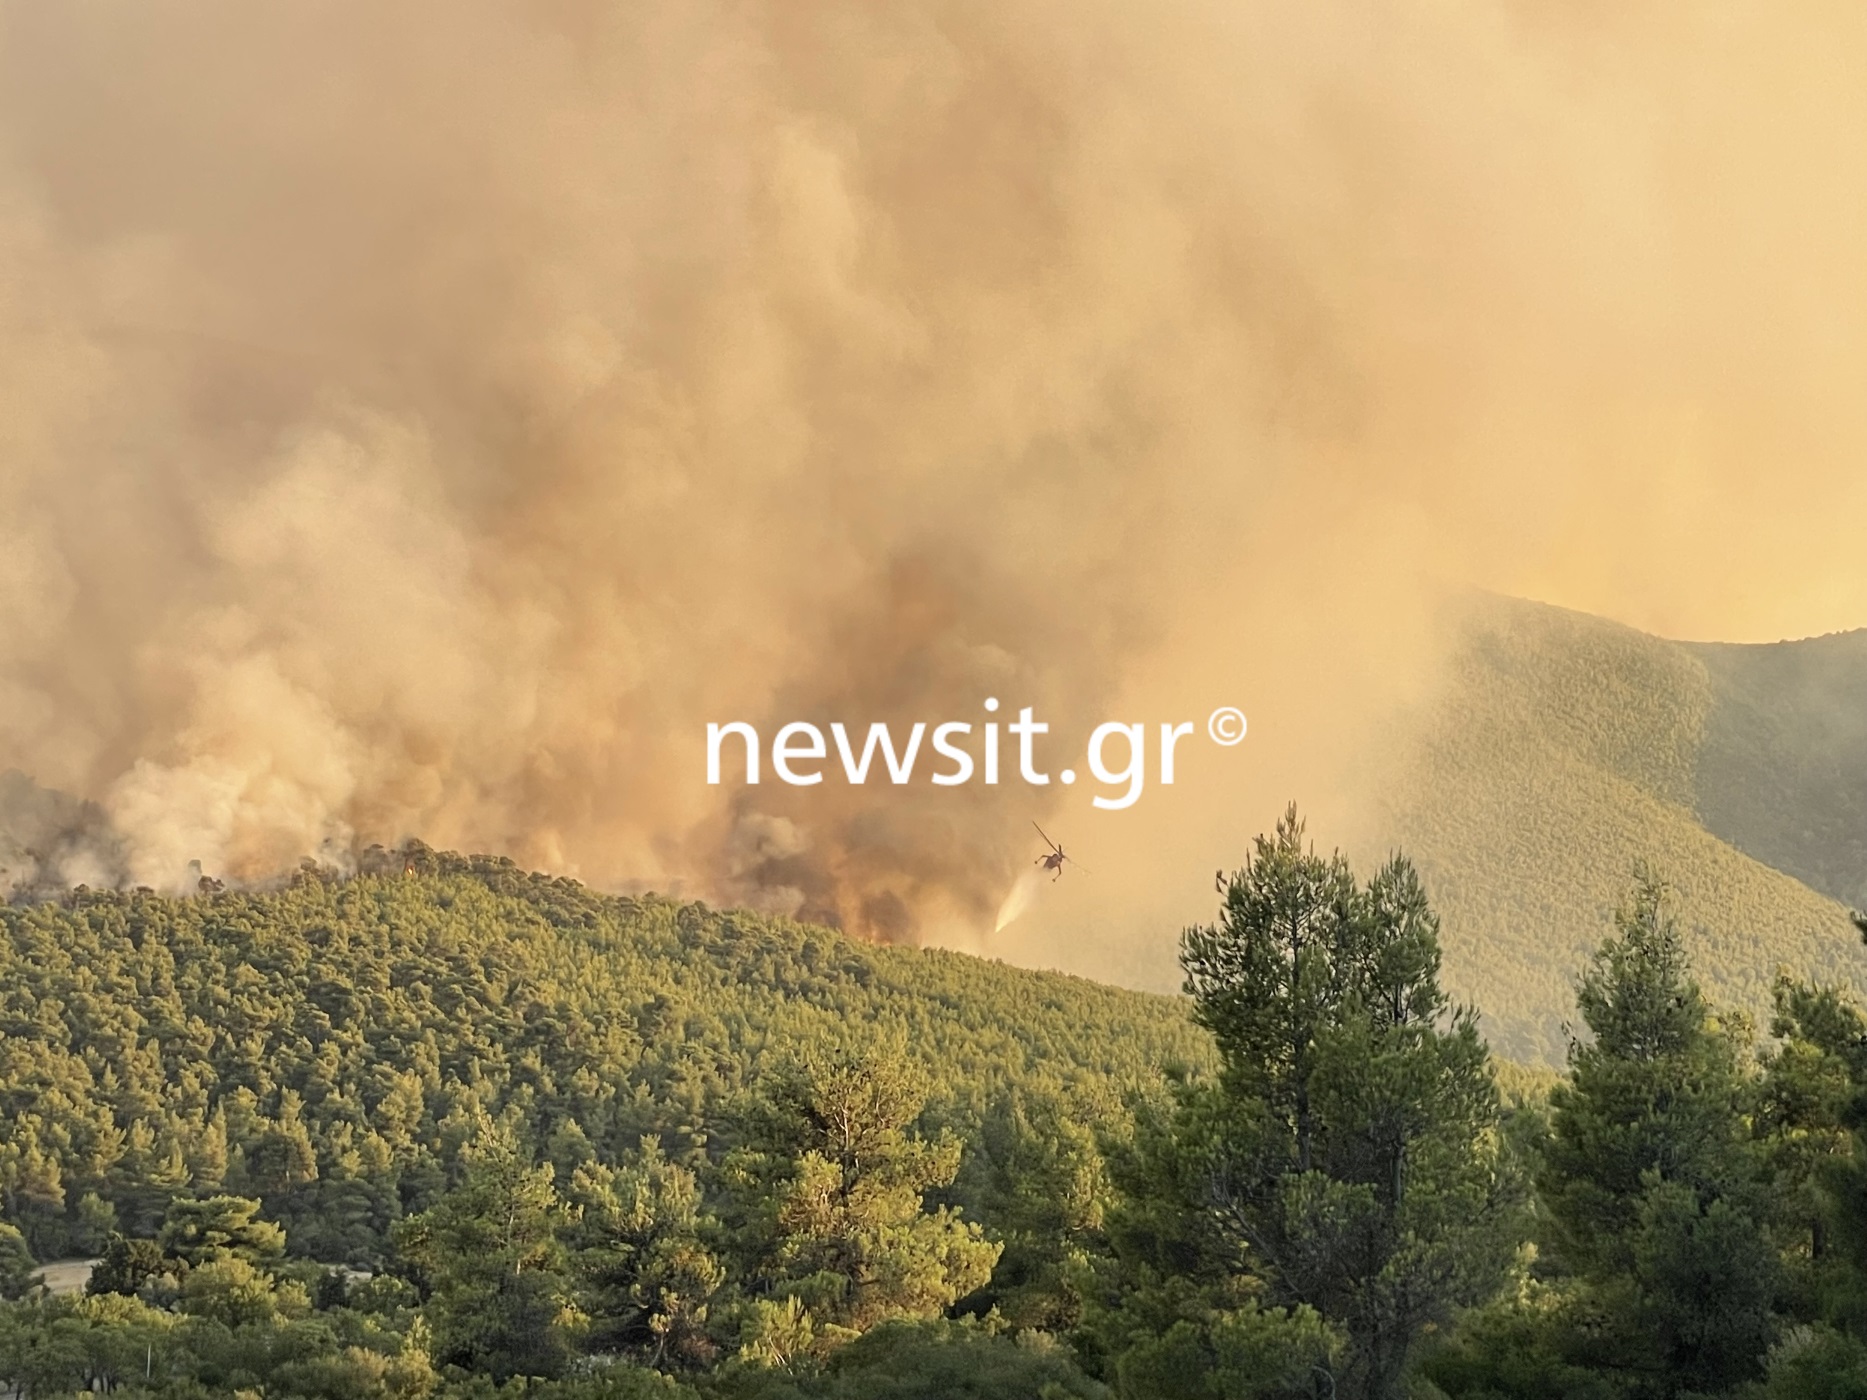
<point>420,420</point>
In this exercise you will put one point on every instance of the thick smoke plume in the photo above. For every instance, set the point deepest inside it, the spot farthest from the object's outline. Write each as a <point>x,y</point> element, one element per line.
<point>421,419</point>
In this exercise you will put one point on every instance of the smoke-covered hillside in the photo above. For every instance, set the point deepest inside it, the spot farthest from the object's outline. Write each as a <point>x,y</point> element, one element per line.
<point>1568,750</point>
<point>1782,769</point>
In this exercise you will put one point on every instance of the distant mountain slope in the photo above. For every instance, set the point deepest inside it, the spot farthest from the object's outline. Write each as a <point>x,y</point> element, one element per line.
<point>1568,750</point>
<point>1782,771</point>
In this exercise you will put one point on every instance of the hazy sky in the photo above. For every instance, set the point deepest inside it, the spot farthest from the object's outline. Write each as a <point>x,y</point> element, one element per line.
<point>420,420</point>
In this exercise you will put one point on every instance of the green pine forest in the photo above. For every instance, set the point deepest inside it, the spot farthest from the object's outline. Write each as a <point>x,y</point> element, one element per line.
<point>462,1130</point>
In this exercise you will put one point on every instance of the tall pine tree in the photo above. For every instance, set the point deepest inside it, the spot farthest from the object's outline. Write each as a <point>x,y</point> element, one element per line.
<point>1652,1182</point>
<point>1351,1149</point>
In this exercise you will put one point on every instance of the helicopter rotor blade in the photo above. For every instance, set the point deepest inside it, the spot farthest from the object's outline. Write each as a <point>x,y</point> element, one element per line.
<point>1047,841</point>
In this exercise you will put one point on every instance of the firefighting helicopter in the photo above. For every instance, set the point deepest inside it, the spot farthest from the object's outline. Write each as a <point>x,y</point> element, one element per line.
<point>1054,861</point>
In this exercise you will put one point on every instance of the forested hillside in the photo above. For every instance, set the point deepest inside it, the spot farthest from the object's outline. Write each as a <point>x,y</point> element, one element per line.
<point>458,1132</point>
<point>1567,751</point>
<point>326,1046</point>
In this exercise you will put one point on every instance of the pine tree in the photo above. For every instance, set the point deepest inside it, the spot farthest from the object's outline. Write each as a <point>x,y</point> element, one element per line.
<point>1651,1182</point>
<point>647,1277</point>
<point>125,1266</point>
<point>219,1227</point>
<point>16,1262</point>
<point>1352,1148</point>
<point>831,1196</point>
<point>1803,1118</point>
<point>489,1251</point>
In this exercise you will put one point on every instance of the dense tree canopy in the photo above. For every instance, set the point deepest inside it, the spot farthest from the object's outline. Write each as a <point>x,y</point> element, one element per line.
<point>464,1129</point>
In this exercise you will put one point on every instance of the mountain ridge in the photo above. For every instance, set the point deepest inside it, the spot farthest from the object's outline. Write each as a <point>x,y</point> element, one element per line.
<point>1566,752</point>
